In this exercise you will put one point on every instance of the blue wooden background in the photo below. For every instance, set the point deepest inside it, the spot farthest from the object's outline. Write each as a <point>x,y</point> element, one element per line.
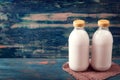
<point>40,28</point>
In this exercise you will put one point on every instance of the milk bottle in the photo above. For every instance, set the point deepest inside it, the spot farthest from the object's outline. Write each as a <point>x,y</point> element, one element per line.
<point>78,47</point>
<point>102,43</point>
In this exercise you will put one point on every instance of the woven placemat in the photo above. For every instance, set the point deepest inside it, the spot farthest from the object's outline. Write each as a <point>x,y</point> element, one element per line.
<point>91,74</point>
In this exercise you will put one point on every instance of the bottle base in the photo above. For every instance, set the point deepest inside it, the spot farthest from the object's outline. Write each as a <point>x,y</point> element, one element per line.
<point>102,68</point>
<point>82,69</point>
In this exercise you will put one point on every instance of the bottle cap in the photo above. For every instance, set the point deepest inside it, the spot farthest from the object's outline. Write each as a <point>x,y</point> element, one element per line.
<point>104,23</point>
<point>78,23</point>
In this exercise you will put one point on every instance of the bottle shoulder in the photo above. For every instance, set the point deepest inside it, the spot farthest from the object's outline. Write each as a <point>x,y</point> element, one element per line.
<point>102,33</point>
<point>79,36</point>
<point>78,33</point>
<point>102,36</point>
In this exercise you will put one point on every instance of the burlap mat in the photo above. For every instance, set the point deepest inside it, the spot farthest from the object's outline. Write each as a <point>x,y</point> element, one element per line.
<point>91,74</point>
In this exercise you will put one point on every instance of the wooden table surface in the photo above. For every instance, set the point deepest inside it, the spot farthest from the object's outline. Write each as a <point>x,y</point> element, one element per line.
<point>37,69</point>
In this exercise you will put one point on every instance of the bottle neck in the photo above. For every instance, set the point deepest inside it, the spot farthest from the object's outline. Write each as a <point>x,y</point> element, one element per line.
<point>79,28</point>
<point>103,28</point>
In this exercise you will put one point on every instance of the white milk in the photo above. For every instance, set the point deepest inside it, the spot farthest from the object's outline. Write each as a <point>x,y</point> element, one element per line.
<point>78,47</point>
<point>102,42</point>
